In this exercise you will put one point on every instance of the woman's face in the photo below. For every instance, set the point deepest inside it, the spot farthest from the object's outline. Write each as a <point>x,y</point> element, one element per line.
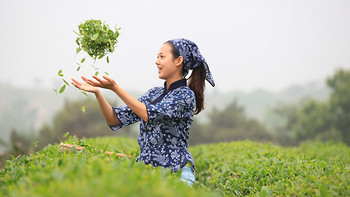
<point>166,64</point>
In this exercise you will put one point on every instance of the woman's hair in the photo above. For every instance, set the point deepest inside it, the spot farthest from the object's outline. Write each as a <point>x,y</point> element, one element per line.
<point>196,81</point>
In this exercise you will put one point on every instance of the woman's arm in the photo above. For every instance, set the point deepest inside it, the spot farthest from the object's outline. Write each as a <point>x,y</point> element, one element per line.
<point>106,108</point>
<point>135,105</point>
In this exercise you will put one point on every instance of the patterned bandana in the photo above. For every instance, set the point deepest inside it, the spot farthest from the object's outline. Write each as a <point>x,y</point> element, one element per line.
<point>192,58</point>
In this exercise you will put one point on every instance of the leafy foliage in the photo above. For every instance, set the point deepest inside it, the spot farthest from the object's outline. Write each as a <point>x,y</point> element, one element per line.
<point>324,121</point>
<point>236,168</point>
<point>96,39</point>
<point>249,168</point>
<point>90,173</point>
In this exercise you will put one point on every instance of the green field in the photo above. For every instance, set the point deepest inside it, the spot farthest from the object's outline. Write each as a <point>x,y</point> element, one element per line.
<point>223,169</point>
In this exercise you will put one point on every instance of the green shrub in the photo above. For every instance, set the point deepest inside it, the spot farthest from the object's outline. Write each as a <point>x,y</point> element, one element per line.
<point>235,168</point>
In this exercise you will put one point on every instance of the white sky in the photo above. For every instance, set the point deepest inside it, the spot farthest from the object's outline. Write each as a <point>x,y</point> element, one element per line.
<point>248,44</point>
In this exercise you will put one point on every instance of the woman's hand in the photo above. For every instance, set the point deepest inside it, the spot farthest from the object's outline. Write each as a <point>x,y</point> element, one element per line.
<point>85,86</point>
<point>106,82</point>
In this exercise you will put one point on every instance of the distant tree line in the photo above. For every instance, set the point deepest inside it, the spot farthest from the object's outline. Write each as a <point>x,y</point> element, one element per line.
<point>315,120</point>
<point>307,120</point>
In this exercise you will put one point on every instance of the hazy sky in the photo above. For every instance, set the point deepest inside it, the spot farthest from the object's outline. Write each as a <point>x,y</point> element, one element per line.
<point>248,44</point>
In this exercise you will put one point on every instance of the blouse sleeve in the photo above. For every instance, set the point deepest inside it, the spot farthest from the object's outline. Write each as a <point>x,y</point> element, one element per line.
<point>125,115</point>
<point>178,105</point>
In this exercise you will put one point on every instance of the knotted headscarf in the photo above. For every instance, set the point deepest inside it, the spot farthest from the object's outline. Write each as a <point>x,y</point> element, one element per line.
<point>192,58</point>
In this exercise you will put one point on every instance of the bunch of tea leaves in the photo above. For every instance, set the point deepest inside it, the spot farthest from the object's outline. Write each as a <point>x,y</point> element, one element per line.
<point>96,38</point>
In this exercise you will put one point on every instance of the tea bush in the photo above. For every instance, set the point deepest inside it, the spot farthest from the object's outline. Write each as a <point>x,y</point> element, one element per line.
<point>223,169</point>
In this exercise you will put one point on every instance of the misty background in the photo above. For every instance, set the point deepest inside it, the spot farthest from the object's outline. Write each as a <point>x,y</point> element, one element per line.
<point>260,53</point>
<point>248,44</point>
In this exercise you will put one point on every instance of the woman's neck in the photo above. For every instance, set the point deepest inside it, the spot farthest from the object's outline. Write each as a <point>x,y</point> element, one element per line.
<point>170,81</point>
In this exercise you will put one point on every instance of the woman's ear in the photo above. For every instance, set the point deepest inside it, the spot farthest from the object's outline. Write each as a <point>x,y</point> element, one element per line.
<point>179,61</point>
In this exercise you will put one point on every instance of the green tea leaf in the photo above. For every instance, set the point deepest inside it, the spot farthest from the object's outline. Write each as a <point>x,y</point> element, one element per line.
<point>77,50</point>
<point>94,37</point>
<point>60,73</point>
<point>65,82</point>
<point>35,144</point>
<point>83,108</point>
<point>106,73</point>
<point>96,73</point>
<point>78,68</point>
<point>107,60</point>
<point>84,93</point>
<point>62,89</point>
<point>82,60</point>
<point>66,134</point>
<point>76,33</point>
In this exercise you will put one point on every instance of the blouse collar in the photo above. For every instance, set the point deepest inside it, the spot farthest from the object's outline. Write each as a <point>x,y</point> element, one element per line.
<point>176,84</point>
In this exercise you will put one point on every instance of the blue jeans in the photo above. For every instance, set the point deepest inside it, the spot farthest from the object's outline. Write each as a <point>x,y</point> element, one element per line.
<point>187,175</point>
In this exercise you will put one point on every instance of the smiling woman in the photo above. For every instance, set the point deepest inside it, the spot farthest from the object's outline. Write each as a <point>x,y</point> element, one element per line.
<point>165,113</point>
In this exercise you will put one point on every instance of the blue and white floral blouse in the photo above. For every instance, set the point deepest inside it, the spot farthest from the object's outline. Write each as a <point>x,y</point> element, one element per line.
<point>163,140</point>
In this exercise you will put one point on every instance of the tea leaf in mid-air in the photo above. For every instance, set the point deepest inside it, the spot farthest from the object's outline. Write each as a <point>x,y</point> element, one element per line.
<point>76,33</point>
<point>84,93</point>
<point>78,50</point>
<point>66,134</point>
<point>62,89</point>
<point>106,73</point>
<point>83,108</point>
<point>65,82</point>
<point>96,73</point>
<point>107,60</point>
<point>60,73</point>
<point>82,60</point>
<point>35,144</point>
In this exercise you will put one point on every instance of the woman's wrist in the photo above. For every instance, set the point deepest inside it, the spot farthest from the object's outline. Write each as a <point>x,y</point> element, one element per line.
<point>115,88</point>
<point>97,92</point>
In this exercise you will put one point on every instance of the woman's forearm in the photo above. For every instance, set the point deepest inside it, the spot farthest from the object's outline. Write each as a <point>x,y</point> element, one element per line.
<point>135,105</point>
<point>107,110</point>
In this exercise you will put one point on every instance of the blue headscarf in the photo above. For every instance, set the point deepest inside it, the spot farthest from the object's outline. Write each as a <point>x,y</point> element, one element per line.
<point>192,58</point>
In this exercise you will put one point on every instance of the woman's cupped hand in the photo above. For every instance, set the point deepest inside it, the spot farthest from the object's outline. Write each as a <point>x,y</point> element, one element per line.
<point>90,85</point>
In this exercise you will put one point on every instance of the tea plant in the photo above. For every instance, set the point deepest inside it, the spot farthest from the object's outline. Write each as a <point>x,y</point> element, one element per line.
<point>248,168</point>
<point>242,168</point>
<point>51,172</point>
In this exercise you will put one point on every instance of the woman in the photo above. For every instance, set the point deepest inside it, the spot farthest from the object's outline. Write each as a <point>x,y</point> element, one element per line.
<point>165,113</point>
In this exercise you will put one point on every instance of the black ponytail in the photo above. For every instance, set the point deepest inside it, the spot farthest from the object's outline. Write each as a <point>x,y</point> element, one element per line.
<point>197,85</point>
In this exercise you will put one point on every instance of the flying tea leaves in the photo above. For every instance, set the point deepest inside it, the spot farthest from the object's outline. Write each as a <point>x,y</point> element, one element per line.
<point>60,73</point>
